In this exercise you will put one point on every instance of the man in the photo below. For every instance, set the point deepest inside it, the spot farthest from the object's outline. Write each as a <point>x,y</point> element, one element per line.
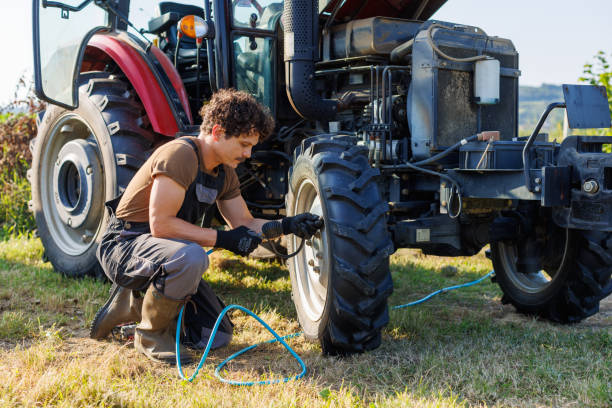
<point>152,244</point>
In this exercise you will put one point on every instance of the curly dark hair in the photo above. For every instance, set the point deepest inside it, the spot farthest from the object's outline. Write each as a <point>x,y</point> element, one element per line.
<point>237,112</point>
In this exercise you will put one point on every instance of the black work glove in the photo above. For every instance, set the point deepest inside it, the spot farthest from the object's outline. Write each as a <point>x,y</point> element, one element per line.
<point>303,225</point>
<point>241,240</point>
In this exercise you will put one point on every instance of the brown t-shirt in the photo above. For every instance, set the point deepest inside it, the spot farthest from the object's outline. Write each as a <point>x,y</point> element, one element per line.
<point>177,160</point>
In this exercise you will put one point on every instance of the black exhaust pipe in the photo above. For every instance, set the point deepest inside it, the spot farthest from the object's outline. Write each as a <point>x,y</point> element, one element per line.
<point>300,26</point>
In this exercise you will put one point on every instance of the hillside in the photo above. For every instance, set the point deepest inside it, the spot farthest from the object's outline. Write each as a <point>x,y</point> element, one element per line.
<point>532,103</point>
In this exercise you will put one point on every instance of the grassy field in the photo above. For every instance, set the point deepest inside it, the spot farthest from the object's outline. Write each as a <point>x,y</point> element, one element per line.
<point>460,349</point>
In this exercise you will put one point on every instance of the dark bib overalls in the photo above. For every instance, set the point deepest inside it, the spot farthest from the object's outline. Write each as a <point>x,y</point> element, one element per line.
<point>132,258</point>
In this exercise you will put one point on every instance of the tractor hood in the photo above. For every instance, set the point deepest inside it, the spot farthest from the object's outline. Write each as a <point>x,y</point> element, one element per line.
<point>408,9</point>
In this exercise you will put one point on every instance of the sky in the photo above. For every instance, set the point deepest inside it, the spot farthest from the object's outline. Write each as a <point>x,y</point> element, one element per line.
<point>554,38</point>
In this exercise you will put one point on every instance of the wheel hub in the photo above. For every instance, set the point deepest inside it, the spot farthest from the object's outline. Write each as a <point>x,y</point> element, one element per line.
<point>311,263</point>
<point>72,184</point>
<point>531,279</point>
<point>77,183</point>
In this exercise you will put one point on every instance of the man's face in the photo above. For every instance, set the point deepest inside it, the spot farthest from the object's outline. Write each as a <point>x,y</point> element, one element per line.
<point>234,150</point>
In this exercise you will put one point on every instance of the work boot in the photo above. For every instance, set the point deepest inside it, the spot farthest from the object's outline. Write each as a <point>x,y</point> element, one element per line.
<point>121,307</point>
<point>155,336</point>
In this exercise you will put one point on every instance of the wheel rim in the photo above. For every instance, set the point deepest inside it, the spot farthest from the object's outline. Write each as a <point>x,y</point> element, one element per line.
<point>534,282</point>
<point>72,185</point>
<point>311,264</point>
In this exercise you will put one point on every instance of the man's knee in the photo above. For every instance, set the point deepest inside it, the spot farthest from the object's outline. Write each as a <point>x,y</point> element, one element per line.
<point>195,256</point>
<point>184,270</point>
<point>190,258</point>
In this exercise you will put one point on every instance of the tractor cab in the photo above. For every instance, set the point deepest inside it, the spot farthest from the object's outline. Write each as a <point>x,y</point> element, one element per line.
<point>239,50</point>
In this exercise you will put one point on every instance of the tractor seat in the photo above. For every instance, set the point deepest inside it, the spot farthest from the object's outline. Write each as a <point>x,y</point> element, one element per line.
<point>165,25</point>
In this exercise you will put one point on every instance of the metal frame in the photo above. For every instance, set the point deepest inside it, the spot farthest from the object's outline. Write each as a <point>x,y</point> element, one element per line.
<point>38,86</point>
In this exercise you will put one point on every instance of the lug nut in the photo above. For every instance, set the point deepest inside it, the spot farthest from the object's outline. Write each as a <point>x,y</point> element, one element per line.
<point>311,262</point>
<point>319,255</point>
<point>590,186</point>
<point>538,180</point>
<point>308,242</point>
<point>89,170</point>
<point>537,189</point>
<point>316,269</point>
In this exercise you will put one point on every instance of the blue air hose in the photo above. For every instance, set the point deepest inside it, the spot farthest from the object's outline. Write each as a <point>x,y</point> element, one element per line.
<point>443,290</point>
<point>276,338</point>
<point>212,337</point>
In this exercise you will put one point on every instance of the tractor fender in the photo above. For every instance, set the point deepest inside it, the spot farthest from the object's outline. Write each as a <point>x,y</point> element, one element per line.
<point>151,73</point>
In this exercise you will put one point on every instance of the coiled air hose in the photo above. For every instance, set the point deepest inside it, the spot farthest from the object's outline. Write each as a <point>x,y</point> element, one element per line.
<point>276,338</point>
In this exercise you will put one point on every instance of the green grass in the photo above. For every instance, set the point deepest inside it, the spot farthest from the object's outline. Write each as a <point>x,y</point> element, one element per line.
<point>15,217</point>
<point>462,348</point>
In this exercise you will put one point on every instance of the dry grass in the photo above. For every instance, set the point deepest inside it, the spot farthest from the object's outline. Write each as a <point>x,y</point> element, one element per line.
<point>460,349</point>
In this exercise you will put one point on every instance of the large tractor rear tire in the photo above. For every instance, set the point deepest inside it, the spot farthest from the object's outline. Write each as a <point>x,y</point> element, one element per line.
<point>575,276</point>
<point>82,158</point>
<point>341,280</point>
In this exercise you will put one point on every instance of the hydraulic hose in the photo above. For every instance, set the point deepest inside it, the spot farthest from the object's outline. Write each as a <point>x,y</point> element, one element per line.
<point>446,152</point>
<point>456,189</point>
<point>442,53</point>
<point>400,52</point>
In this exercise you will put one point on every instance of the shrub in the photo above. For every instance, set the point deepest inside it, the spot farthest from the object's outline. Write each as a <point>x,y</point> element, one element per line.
<point>16,131</point>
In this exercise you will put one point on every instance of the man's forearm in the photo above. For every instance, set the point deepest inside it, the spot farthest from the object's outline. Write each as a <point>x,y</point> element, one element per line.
<point>255,224</point>
<point>176,228</point>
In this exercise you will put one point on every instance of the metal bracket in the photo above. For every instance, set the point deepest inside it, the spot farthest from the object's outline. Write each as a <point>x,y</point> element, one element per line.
<point>587,106</point>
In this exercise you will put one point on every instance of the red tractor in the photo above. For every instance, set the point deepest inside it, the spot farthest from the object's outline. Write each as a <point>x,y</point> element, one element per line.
<point>398,130</point>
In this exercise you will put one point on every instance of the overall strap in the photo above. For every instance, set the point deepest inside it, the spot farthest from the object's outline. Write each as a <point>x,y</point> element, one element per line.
<point>194,146</point>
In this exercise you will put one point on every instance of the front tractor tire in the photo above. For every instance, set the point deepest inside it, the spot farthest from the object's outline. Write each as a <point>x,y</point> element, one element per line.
<point>340,280</point>
<point>82,158</point>
<point>575,276</point>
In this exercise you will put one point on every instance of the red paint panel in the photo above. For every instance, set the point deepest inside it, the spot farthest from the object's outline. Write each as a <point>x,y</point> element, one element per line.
<point>175,79</point>
<point>142,79</point>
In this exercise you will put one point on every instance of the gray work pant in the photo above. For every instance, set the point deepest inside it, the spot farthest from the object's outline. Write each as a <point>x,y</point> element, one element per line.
<point>131,257</point>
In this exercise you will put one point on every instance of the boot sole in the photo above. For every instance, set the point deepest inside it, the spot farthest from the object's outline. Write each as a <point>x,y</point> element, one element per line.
<point>169,360</point>
<point>185,359</point>
<point>101,314</point>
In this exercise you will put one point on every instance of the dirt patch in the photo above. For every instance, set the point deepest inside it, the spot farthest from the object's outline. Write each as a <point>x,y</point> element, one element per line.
<point>603,319</point>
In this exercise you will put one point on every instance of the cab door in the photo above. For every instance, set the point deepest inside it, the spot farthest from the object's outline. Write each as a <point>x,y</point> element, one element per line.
<point>61,29</point>
<point>253,36</point>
